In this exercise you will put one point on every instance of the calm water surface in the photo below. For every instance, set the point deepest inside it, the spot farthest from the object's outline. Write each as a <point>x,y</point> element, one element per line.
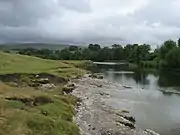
<point>154,99</point>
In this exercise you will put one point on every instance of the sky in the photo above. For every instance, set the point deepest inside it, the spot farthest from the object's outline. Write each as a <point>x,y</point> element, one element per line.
<point>89,21</point>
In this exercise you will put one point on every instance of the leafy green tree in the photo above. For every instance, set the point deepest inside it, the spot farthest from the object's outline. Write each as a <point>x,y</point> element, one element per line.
<point>95,47</point>
<point>65,54</point>
<point>127,51</point>
<point>73,48</point>
<point>173,58</point>
<point>167,55</point>
<point>179,42</point>
<point>118,52</point>
<point>105,54</point>
<point>166,47</point>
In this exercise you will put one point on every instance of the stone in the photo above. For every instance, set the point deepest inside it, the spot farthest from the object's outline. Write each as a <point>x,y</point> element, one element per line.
<point>71,85</point>
<point>100,77</point>
<point>47,86</point>
<point>41,81</point>
<point>125,111</point>
<point>67,90</point>
<point>127,87</point>
<point>13,84</point>
<point>100,85</point>
<point>125,123</point>
<point>151,132</point>
<point>103,94</point>
<point>93,76</point>
<point>127,117</point>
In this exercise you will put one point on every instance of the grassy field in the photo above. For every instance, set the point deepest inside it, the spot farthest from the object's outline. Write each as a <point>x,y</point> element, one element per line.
<point>14,63</point>
<point>51,112</point>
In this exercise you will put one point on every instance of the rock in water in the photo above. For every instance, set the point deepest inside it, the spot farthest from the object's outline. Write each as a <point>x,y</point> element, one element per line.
<point>127,87</point>
<point>151,132</point>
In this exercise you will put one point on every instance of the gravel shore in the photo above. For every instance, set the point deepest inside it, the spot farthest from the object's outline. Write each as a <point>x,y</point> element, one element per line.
<point>95,117</point>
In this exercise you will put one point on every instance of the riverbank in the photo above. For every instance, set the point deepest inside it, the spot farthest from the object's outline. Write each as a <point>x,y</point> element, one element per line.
<point>32,99</point>
<point>95,117</point>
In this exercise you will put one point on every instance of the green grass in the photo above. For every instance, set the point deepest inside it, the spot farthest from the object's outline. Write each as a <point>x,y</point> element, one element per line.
<point>14,63</point>
<point>53,118</point>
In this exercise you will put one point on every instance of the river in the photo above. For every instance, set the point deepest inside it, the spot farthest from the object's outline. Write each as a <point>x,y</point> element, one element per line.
<point>153,99</point>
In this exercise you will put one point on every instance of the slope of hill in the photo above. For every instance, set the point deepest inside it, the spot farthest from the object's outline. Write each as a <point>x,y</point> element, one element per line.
<point>14,63</point>
<point>31,96</point>
<point>34,45</point>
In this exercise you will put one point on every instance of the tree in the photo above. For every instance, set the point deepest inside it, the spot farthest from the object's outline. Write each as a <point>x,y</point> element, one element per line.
<point>127,51</point>
<point>105,54</point>
<point>95,47</point>
<point>173,58</point>
<point>166,47</point>
<point>73,48</point>
<point>65,54</point>
<point>118,52</point>
<point>179,42</point>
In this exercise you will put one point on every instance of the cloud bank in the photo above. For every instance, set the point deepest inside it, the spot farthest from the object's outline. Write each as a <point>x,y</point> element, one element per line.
<point>89,21</point>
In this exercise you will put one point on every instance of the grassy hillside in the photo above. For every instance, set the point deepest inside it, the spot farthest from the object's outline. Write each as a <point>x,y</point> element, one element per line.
<point>14,63</point>
<point>27,110</point>
<point>35,46</point>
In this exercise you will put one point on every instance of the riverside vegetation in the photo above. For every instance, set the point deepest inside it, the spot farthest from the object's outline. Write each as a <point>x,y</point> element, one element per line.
<point>165,56</point>
<point>31,96</point>
<point>32,99</point>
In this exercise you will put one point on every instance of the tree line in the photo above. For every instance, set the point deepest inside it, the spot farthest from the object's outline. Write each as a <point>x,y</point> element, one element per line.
<point>167,55</point>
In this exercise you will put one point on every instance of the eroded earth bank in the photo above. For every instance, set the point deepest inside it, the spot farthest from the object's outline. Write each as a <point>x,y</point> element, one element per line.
<point>95,117</point>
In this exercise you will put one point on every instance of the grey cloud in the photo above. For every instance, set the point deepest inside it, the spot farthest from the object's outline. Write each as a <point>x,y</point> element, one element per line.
<point>89,21</point>
<point>27,12</point>
<point>77,5</point>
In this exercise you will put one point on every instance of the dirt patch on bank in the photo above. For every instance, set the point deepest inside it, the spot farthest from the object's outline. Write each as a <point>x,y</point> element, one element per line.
<point>33,101</point>
<point>33,80</point>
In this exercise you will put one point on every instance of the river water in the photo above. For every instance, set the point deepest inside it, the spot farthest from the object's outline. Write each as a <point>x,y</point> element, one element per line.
<point>154,99</point>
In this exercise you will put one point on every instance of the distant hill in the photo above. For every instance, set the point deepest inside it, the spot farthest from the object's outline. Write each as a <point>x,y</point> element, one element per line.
<point>34,45</point>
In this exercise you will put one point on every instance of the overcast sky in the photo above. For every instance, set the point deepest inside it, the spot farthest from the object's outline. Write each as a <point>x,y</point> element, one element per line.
<point>89,21</point>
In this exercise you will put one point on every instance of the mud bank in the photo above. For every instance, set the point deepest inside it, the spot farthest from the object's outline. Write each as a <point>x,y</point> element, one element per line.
<point>95,117</point>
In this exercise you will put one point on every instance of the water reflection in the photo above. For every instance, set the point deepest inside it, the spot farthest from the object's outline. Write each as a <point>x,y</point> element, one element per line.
<point>153,100</point>
<point>168,79</point>
<point>141,77</point>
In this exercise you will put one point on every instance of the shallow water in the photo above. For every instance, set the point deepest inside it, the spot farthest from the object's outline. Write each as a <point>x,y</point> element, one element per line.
<point>150,100</point>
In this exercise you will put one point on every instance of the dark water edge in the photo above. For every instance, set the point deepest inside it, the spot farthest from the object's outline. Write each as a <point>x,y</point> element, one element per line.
<point>154,98</point>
